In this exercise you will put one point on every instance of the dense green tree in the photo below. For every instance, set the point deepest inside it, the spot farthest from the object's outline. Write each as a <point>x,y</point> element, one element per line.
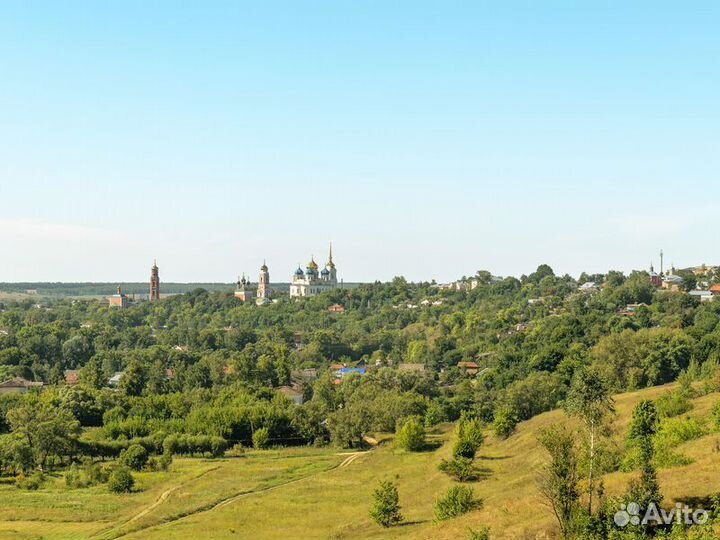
<point>46,430</point>
<point>134,379</point>
<point>411,436</point>
<point>121,481</point>
<point>385,510</point>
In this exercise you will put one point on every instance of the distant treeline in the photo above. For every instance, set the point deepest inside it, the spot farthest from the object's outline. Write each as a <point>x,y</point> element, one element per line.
<point>105,289</point>
<point>142,288</point>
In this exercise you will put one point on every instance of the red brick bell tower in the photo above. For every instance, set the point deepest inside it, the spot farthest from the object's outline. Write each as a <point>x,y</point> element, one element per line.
<point>154,283</point>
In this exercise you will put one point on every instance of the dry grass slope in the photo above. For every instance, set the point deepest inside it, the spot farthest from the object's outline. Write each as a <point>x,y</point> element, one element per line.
<point>321,493</point>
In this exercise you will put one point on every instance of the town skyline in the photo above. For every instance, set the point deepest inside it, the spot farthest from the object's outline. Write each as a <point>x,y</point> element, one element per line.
<point>659,264</point>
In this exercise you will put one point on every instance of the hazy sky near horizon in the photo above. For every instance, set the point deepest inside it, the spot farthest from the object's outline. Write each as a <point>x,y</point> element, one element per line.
<point>424,139</point>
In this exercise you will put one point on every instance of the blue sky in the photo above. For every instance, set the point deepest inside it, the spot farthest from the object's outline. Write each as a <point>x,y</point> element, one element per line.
<point>425,139</point>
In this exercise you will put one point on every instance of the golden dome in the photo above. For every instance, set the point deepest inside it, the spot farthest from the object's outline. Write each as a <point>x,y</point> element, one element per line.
<point>312,264</point>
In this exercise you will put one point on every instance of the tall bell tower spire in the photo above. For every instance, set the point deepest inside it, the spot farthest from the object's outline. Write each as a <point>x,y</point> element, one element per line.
<point>330,266</point>
<point>154,282</point>
<point>263,290</point>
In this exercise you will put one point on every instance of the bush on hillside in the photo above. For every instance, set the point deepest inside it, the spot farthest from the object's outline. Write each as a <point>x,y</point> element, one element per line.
<point>160,463</point>
<point>482,534</point>
<point>459,468</point>
<point>471,430</point>
<point>385,509</point>
<point>464,450</point>
<point>457,501</point>
<point>673,404</point>
<point>261,438</point>
<point>32,482</point>
<point>672,433</point>
<point>135,457</point>
<point>121,481</point>
<point>505,422</point>
<point>411,436</point>
<point>716,415</point>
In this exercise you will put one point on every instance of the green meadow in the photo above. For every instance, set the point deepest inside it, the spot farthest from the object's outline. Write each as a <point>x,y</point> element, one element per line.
<point>325,493</point>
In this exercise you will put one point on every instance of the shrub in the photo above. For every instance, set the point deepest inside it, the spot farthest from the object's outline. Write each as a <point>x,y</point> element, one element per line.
<point>506,421</point>
<point>83,477</point>
<point>261,438</point>
<point>676,431</point>
<point>193,444</point>
<point>457,501</point>
<point>171,445</point>
<point>128,428</point>
<point>434,415</point>
<point>385,510</point>
<point>482,534</point>
<point>218,445</point>
<point>471,430</point>
<point>72,477</point>
<point>32,482</point>
<point>121,481</point>
<point>159,463</point>
<point>411,436</point>
<point>459,468</point>
<point>97,474</point>
<point>165,461</point>
<point>716,415</point>
<point>673,404</point>
<point>237,450</point>
<point>672,433</point>
<point>134,457</point>
<point>464,449</point>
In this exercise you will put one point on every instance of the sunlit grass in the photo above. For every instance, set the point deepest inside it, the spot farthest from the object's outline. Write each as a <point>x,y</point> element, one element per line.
<point>303,493</point>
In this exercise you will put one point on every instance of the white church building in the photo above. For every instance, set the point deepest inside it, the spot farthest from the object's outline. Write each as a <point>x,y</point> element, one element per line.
<point>311,282</point>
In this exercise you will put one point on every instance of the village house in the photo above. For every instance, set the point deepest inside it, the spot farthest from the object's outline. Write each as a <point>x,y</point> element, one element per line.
<point>301,377</point>
<point>114,381</point>
<point>72,377</point>
<point>343,372</point>
<point>292,394</point>
<point>631,309</point>
<point>411,367</point>
<point>469,368</point>
<point>18,385</point>
<point>672,282</point>
<point>589,287</point>
<point>703,296</point>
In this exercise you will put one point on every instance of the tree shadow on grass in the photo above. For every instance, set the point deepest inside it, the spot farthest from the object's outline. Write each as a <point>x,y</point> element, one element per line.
<point>705,502</point>
<point>493,458</point>
<point>431,446</point>
<point>410,523</point>
<point>482,473</point>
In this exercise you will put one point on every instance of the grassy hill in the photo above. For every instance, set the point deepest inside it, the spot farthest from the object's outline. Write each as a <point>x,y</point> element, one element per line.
<point>325,493</point>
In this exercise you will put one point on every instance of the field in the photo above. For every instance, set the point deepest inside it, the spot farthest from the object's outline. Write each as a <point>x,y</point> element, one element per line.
<point>325,493</point>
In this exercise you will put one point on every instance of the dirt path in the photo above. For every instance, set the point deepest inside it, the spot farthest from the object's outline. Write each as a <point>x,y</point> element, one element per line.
<point>161,499</point>
<point>352,457</point>
<point>229,500</point>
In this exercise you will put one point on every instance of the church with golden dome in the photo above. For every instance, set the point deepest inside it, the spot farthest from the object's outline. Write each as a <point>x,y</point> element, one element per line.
<point>311,281</point>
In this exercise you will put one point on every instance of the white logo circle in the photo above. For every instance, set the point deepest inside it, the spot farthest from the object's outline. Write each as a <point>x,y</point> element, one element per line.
<point>621,518</point>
